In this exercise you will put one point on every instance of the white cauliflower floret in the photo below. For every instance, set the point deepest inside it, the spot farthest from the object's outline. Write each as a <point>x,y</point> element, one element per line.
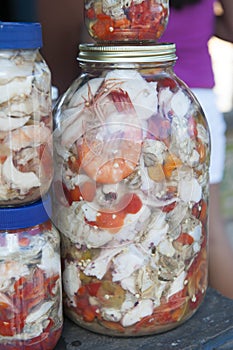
<point>142,309</point>
<point>71,280</point>
<point>131,257</point>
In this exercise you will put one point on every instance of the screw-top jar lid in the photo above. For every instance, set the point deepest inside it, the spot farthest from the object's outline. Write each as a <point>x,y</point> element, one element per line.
<point>26,216</point>
<point>95,53</point>
<point>20,35</point>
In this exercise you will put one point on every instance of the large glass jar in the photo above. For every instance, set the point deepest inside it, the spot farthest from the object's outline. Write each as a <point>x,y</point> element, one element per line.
<point>30,278</point>
<point>130,192</point>
<point>126,20</point>
<point>26,166</point>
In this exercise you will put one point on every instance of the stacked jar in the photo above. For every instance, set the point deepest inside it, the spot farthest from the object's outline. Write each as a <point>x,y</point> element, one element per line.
<point>30,315</point>
<point>126,21</point>
<point>130,192</point>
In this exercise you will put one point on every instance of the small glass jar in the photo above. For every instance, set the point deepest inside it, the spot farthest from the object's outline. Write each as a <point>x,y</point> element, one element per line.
<point>130,193</point>
<point>26,166</point>
<point>126,20</point>
<point>30,278</point>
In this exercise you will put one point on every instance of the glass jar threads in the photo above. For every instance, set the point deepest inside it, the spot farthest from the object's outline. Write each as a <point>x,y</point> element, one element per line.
<point>26,165</point>
<point>130,192</point>
<point>30,278</point>
<point>126,20</point>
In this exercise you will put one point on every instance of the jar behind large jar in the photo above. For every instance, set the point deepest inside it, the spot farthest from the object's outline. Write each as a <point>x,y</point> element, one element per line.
<point>30,278</point>
<point>121,21</point>
<point>131,192</point>
<point>25,115</point>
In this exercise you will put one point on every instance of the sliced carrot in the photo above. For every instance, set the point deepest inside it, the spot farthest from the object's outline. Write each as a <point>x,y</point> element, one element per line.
<point>185,239</point>
<point>172,162</point>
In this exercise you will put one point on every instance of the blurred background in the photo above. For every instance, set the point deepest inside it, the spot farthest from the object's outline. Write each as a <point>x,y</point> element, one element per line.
<point>63,30</point>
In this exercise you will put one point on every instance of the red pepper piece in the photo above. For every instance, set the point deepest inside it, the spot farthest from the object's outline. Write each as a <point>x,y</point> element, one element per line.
<point>134,205</point>
<point>93,288</point>
<point>169,207</point>
<point>167,82</point>
<point>102,28</point>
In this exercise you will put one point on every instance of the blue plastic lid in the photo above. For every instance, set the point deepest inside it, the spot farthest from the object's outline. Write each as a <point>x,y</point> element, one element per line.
<point>20,35</point>
<point>26,216</point>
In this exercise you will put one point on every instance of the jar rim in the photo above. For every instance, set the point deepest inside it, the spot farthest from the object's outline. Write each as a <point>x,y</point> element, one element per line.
<point>96,53</point>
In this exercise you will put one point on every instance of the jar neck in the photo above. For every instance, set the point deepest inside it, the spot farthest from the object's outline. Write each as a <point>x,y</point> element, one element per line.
<point>147,67</point>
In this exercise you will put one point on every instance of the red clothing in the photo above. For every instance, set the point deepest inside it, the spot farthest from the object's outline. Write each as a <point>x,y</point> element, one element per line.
<point>190,29</point>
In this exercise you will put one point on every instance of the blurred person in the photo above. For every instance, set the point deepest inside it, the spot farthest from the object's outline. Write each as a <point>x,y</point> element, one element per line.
<point>223,10</point>
<point>221,51</point>
<point>191,25</point>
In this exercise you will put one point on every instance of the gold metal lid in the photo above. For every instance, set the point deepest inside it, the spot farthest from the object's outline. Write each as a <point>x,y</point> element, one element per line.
<point>96,53</point>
